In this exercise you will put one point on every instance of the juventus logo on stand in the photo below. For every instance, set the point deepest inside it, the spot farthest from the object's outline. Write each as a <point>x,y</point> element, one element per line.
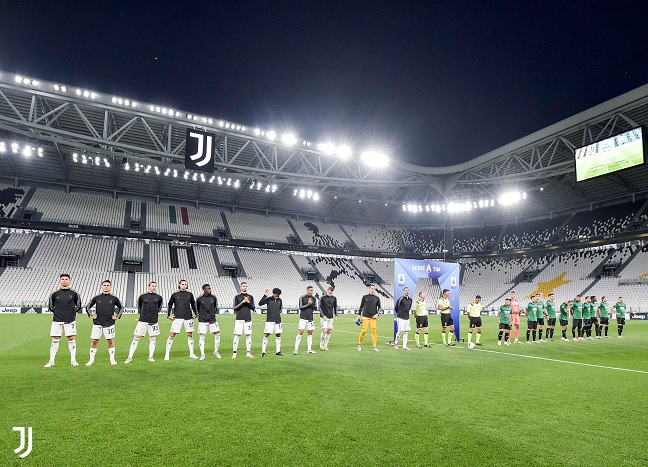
<point>199,151</point>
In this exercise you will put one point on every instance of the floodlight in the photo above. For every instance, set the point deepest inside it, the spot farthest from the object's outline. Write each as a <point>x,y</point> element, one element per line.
<point>374,158</point>
<point>326,148</point>
<point>343,152</point>
<point>288,138</point>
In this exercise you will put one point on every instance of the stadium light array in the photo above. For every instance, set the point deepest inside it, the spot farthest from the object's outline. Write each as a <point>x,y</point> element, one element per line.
<point>506,199</point>
<point>305,193</point>
<point>374,158</point>
<point>28,81</point>
<point>16,148</point>
<point>125,102</point>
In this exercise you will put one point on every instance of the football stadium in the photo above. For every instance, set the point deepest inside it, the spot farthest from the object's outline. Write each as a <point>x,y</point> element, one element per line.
<point>524,317</point>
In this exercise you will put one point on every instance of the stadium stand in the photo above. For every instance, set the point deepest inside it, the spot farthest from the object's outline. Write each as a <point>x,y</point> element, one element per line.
<point>133,250</point>
<point>476,238</point>
<point>602,221</point>
<point>256,227</point>
<point>374,238</point>
<point>74,253</point>
<point>78,207</point>
<point>18,241</point>
<point>329,235</point>
<point>10,199</point>
<point>182,219</point>
<point>531,233</point>
<point>423,241</point>
<point>27,287</point>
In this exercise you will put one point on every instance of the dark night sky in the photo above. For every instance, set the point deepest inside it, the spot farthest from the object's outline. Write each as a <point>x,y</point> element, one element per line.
<point>434,83</point>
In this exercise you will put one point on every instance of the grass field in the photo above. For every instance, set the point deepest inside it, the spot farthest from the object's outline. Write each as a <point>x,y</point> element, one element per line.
<point>438,406</point>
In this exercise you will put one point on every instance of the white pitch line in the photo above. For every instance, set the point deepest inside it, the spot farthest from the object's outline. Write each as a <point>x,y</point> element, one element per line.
<point>523,356</point>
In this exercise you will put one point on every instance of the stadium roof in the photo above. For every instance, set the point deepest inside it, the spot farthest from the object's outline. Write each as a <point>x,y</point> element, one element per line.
<point>116,132</point>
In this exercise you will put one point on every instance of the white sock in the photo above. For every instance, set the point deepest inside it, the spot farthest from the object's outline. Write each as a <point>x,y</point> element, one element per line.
<point>92,354</point>
<point>111,354</point>
<point>327,338</point>
<point>151,346</point>
<point>405,333</point>
<point>264,344</point>
<point>168,346</point>
<point>309,341</point>
<point>398,333</point>
<point>297,341</point>
<point>133,347</point>
<point>278,344</point>
<point>322,338</point>
<point>216,342</point>
<point>53,349</point>
<point>72,347</point>
<point>201,344</point>
<point>190,343</point>
<point>235,343</point>
<point>248,343</point>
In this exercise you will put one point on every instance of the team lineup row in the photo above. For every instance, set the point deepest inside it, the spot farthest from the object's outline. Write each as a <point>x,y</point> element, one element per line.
<point>586,313</point>
<point>182,309</point>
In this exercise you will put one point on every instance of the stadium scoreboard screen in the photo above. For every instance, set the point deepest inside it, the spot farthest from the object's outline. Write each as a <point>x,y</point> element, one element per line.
<point>612,154</point>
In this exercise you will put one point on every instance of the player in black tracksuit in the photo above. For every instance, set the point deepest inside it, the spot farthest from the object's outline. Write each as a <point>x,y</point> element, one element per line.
<point>402,310</point>
<point>65,303</point>
<point>149,306</point>
<point>243,307</point>
<point>307,305</point>
<point>108,308</point>
<point>328,310</point>
<point>207,308</point>
<point>181,310</point>
<point>273,319</point>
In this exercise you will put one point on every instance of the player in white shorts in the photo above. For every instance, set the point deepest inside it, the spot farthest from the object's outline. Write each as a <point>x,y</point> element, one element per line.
<point>243,307</point>
<point>149,306</point>
<point>65,303</point>
<point>273,320</point>
<point>328,310</point>
<point>207,307</point>
<point>181,310</point>
<point>307,305</point>
<point>402,312</point>
<point>104,309</point>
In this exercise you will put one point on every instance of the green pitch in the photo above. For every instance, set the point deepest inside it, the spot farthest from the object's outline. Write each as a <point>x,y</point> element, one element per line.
<point>438,406</point>
<point>622,157</point>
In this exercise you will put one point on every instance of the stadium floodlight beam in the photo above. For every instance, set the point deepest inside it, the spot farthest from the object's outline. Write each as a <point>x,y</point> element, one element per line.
<point>343,152</point>
<point>326,148</point>
<point>271,135</point>
<point>316,197</point>
<point>374,158</point>
<point>288,138</point>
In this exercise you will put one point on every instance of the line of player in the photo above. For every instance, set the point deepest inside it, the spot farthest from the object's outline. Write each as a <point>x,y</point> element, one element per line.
<point>182,310</point>
<point>585,312</point>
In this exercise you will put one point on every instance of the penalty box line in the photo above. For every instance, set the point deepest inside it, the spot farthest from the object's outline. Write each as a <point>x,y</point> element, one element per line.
<point>521,355</point>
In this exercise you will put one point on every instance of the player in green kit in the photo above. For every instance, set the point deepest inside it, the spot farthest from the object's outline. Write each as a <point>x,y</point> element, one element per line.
<point>505,323</point>
<point>586,317</point>
<point>604,318</point>
<point>532,320</point>
<point>564,318</point>
<point>620,308</point>
<point>577,318</point>
<point>550,307</point>
<point>593,319</point>
<point>540,317</point>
